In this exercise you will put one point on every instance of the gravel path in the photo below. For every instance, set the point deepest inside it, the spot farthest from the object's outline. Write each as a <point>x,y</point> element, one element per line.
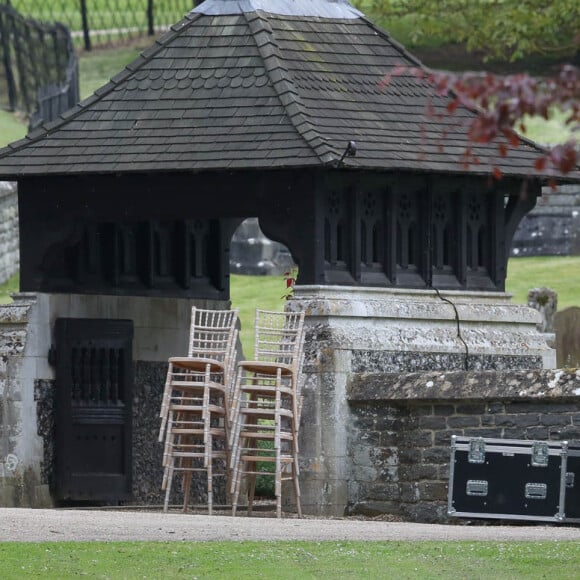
<point>24,525</point>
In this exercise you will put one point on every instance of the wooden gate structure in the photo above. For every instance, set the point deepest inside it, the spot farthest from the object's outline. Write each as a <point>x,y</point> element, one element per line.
<point>275,110</point>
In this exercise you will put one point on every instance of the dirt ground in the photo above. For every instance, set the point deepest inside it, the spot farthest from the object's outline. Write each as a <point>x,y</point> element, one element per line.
<point>59,525</point>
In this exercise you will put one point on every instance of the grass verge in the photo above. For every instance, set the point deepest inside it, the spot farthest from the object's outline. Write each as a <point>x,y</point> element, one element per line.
<point>293,560</point>
<point>251,292</point>
<point>12,128</point>
<point>97,67</point>
<point>8,288</point>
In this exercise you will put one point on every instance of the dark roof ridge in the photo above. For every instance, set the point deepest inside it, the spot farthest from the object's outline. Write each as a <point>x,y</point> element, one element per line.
<point>284,87</point>
<point>318,8</point>
<point>46,129</point>
<point>395,43</point>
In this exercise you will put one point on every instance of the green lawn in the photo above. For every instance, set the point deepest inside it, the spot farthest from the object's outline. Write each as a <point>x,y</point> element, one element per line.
<point>251,292</point>
<point>12,128</point>
<point>104,14</point>
<point>293,560</point>
<point>8,288</point>
<point>560,273</point>
<point>97,67</point>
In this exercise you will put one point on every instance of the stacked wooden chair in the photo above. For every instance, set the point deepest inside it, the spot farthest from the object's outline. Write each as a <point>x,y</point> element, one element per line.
<point>265,412</point>
<point>196,403</point>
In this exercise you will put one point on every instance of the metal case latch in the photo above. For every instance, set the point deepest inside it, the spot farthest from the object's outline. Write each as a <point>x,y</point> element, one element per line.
<point>536,491</point>
<point>477,487</point>
<point>570,479</point>
<point>540,454</point>
<point>476,450</point>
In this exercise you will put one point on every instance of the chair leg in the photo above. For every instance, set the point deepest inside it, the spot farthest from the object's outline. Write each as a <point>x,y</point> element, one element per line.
<point>297,494</point>
<point>209,469</point>
<point>186,484</point>
<point>251,493</point>
<point>278,492</point>
<point>165,403</point>
<point>168,486</point>
<point>236,488</point>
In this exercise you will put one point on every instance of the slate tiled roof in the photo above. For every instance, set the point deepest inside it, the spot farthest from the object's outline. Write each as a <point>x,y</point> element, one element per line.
<point>232,87</point>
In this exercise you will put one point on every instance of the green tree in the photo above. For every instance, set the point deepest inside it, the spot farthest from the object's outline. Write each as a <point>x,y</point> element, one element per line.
<point>502,29</point>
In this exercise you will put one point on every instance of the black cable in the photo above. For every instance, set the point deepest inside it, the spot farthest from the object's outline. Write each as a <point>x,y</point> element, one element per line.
<point>429,277</point>
<point>457,321</point>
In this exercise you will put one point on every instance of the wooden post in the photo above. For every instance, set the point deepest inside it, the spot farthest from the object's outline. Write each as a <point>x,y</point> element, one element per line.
<point>150,18</point>
<point>85,19</point>
<point>10,81</point>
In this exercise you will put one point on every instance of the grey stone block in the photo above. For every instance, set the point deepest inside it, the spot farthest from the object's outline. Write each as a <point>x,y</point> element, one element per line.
<point>471,409</point>
<point>443,410</point>
<point>432,491</point>
<point>426,512</point>
<point>413,473</point>
<point>462,422</point>
<point>493,433</point>
<point>550,420</point>
<point>434,423</point>
<point>495,408</point>
<point>435,455</point>
<point>443,438</point>
<point>416,439</point>
<point>519,420</point>
<point>539,433</point>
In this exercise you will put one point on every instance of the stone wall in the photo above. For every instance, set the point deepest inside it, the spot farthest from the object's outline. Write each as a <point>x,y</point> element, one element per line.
<point>401,427</point>
<point>552,228</point>
<point>9,251</point>
<point>350,331</point>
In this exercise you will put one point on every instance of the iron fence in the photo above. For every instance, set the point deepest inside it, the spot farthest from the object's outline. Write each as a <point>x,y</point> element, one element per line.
<point>102,22</point>
<point>39,67</point>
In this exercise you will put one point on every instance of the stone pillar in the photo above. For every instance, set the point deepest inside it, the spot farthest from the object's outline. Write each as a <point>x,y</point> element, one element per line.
<point>361,330</point>
<point>21,447</point>
<point>9,250</point>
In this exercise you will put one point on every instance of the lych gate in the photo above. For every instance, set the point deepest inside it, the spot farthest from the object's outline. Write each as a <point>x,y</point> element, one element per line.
<point>246,109</point>
<point>370,229</point>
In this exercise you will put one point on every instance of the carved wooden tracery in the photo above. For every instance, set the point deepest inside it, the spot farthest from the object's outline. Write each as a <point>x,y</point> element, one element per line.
<point>414,238</point>
<point>344,228</point>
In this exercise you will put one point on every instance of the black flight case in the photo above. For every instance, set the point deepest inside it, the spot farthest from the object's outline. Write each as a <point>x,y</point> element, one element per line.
<point>573,485</point>
<point>512,479</point>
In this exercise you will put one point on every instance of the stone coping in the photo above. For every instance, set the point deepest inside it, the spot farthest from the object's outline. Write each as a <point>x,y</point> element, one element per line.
<point>465,385</point>
<point>375,292</point>
<point>382,303</point>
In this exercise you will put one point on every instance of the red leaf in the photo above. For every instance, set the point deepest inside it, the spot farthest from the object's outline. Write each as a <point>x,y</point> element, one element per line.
<point>540,163</point>
<point>497,174</point>
<point>452,106</point>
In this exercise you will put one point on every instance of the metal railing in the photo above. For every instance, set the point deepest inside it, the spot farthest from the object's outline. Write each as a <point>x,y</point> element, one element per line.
<point>102,22</point>
<point>38,67</point>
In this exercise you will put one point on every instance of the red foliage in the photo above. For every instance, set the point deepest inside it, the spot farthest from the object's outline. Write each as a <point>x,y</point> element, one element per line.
<point>501,104</point>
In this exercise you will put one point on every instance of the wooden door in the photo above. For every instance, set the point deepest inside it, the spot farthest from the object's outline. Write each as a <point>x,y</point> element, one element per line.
<point>93,409</point>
